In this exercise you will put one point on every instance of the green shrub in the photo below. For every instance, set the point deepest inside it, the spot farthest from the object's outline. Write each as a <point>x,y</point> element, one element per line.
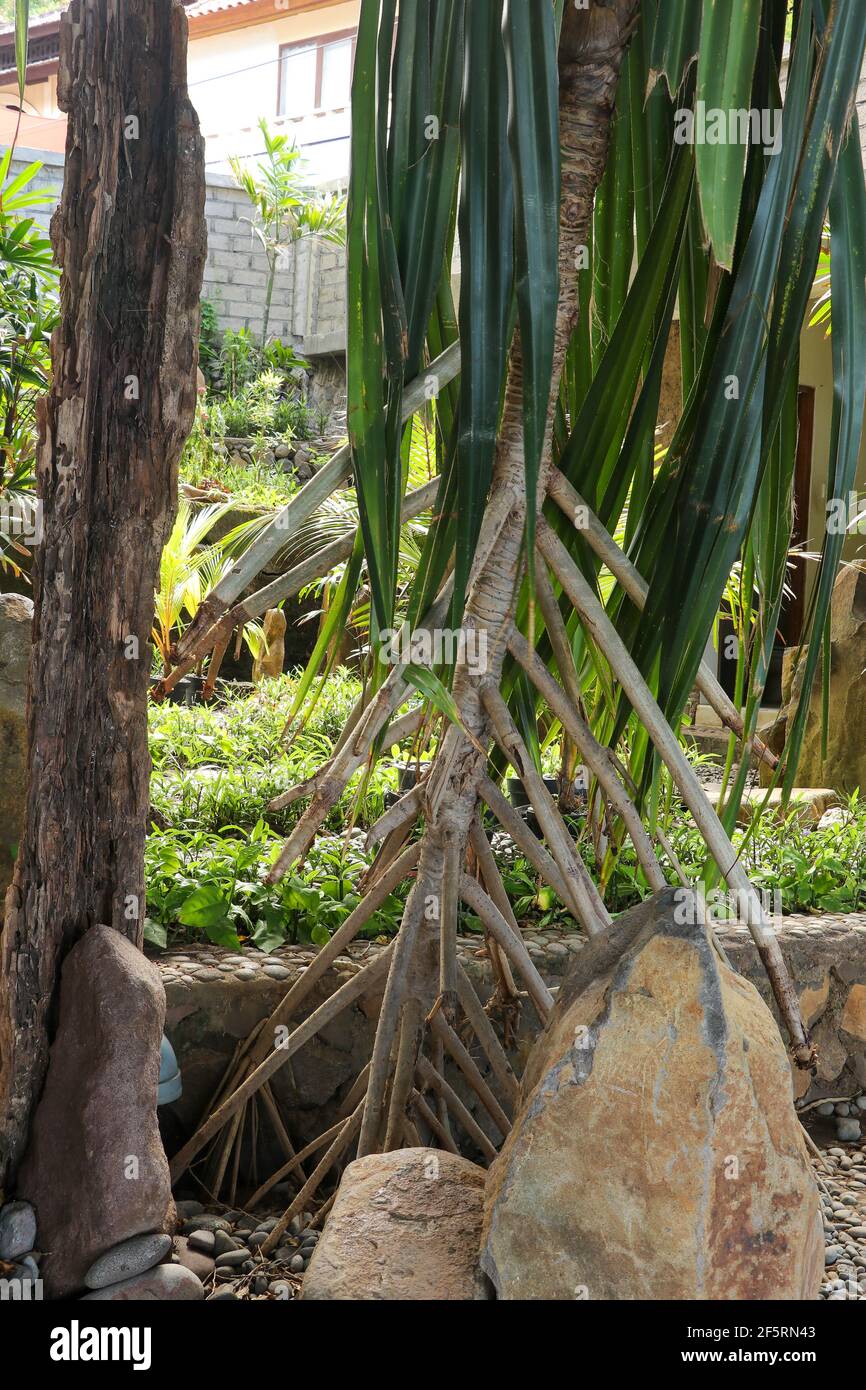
<point>202,886</point>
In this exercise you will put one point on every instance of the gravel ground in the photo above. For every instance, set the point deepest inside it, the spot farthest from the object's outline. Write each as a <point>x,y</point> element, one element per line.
<point>223,1250</point>
<point>841,1175</point>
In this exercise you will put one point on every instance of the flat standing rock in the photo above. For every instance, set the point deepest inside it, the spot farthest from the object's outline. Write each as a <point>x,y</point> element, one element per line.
<point>405,1226</point>
<point>108,1180</point>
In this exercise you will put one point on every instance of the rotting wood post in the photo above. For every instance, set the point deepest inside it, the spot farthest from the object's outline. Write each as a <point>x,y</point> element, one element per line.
<point>130,236</point>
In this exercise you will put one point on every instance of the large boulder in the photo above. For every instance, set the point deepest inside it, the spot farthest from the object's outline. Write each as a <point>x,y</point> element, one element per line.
<point>656,1153</point>
<point>16,619</point>
<point>405,1226</point>
<point>844,767</point>
<point>95,1170</point>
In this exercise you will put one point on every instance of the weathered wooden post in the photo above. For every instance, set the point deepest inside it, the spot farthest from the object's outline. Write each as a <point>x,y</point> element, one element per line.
<point>131,238</point>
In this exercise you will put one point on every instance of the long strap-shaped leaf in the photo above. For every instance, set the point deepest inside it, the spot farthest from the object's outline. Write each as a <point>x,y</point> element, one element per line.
<point>486,272</point>
<point>716,483</point>
<point>529,34</point>
<point>22,23</point>
<point>431,176</point>
<point>365,356</point>
<point>675,42</point>
<point>729,46</point>
<point>600,426</point>
<point>848,272</point>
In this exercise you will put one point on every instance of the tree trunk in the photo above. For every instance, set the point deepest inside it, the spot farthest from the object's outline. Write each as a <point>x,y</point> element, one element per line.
<point>592,46</point>
<point>131,239</point>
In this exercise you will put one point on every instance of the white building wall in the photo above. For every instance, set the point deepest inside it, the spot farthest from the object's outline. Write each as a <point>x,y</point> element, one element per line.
<point>234,79</point>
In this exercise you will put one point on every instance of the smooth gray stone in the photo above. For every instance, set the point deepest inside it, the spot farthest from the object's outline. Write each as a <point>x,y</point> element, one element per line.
<point>188,1208</point>
<point>17,1230</point>
<point>127,1260</point>
<point>232,1259</point>
<point>223,1241</point>
<point>164,1283</point>
<point>203,1240</point>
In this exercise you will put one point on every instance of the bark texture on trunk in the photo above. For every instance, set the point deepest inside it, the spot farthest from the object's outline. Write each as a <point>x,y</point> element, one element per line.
<point>592,47</point>
<point>131,239</point>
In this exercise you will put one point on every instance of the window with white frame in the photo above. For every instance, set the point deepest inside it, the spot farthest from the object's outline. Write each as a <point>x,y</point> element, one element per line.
<point>316,74</point>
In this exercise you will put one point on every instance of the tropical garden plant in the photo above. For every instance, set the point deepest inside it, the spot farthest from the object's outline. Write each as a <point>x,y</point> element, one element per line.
<point>190,567</point>
<point>545,138</point>
<point>286,208</point>
<point>28,314</point>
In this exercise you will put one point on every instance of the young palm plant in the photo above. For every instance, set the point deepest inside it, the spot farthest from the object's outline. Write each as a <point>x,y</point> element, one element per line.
<point>286,209</point>
<point>550,139</point>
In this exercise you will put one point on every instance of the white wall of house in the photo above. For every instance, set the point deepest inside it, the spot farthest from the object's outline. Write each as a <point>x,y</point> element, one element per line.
<point>234,78</point>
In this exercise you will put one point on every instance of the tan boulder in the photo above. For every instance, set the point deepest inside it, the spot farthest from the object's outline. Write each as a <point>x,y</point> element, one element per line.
<point>405,1226</point>
<point>96,1171</point>
<point>809,804</point>
<point>854,1013</point>
<point>656,1153</point>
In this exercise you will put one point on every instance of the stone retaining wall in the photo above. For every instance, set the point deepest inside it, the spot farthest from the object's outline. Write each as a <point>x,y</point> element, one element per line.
<point>215,997</point>
<point>309,301</point>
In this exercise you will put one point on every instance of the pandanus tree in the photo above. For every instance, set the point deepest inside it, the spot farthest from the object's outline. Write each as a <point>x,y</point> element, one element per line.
<point>566,148</point>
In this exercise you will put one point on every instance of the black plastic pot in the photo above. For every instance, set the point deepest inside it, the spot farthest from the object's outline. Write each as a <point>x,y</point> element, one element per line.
<point>186,692</point>
<point>407,776</point>
<point>517,793</point>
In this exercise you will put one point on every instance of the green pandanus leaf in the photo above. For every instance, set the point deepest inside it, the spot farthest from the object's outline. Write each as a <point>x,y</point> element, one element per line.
<point>529,34</point>
<point>438,544</point>
<point>599,428</point>
<point>769,540</point>
<point>429,179</point>
<point>715,459</point>
<point>22,23</point>
<point>327,642</point>
<point>729,46</point>
<point>400,228</point>
<point>613,224</point>
<point>374,467</point>
<point>396,339</point>
<point>650,129</point>
<point>675,41</point>
<point>486,262</point>
<point>693,300</point>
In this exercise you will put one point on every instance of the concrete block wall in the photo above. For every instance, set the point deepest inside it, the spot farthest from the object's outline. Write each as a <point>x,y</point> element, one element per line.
<point>308,307</point>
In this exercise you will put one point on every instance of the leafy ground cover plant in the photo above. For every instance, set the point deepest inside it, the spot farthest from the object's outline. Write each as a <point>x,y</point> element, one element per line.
<point>245,728</point>
<point>217,768</point>
<point>202,886</point>
<point>28,315</point>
